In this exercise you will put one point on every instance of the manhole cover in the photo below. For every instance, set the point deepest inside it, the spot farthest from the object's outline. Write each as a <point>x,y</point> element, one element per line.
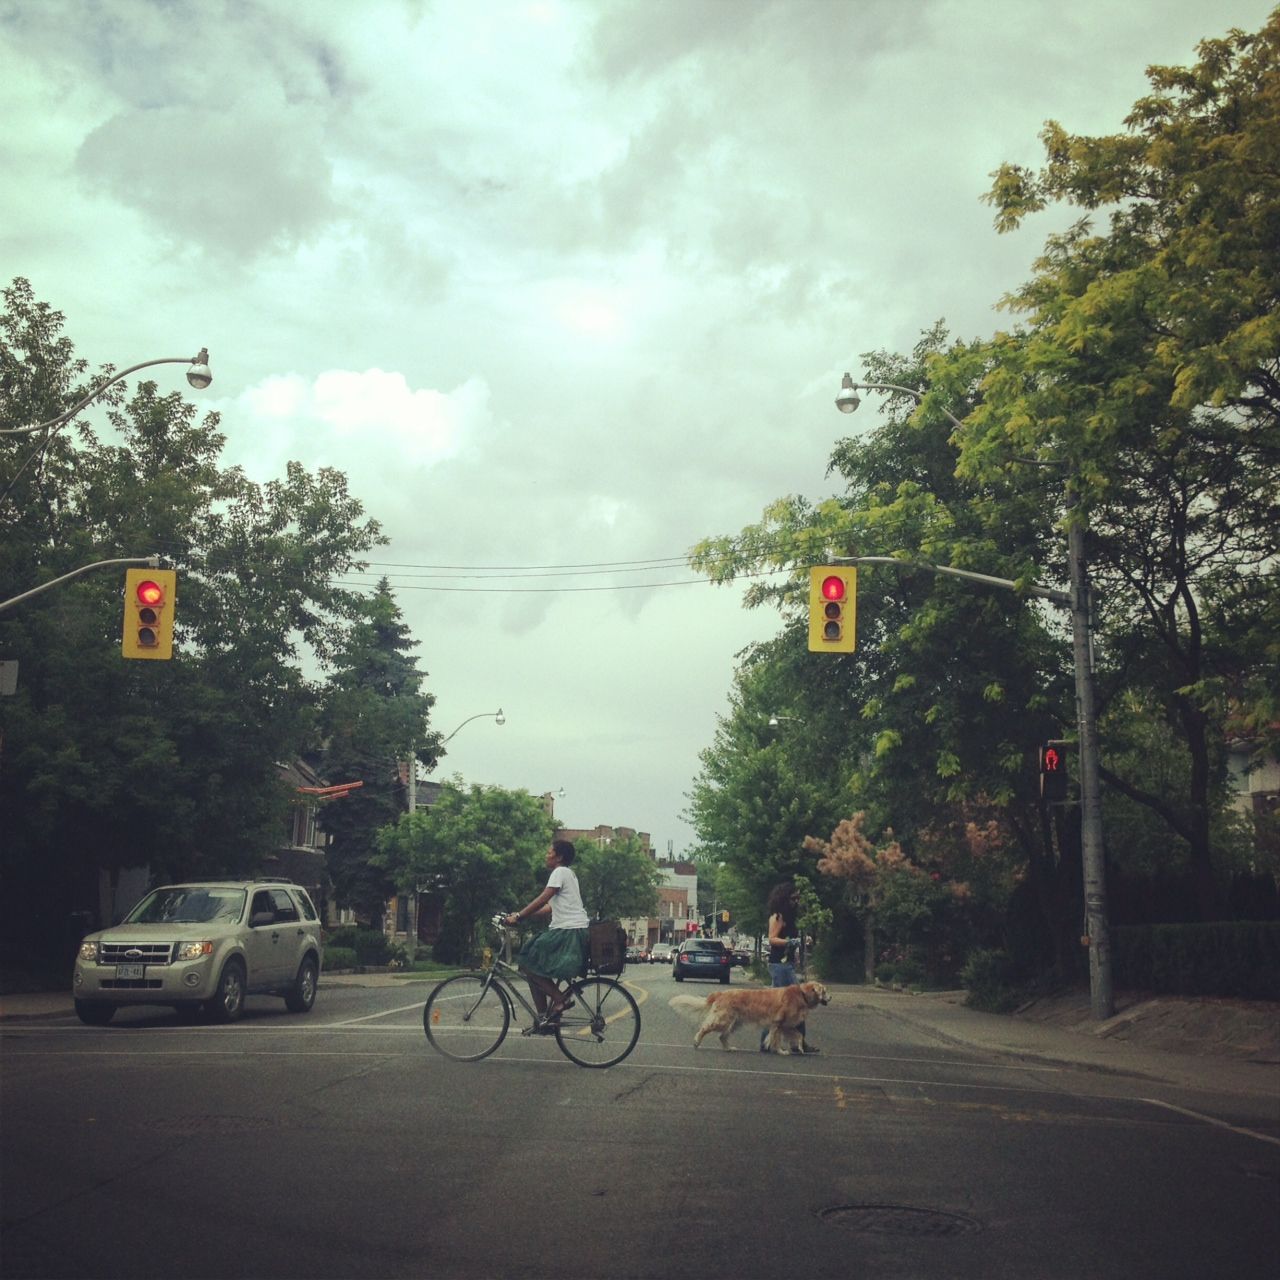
<point>898,1220</point>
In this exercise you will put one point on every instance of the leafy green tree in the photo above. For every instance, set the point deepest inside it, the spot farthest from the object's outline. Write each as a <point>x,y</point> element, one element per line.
<point>618,880</point>
<point>951,685</point>
<point>375,717</point>
<point>762,788</point>
<point>477,847</point>
<point>109,763</point>
<point>1148,373</point>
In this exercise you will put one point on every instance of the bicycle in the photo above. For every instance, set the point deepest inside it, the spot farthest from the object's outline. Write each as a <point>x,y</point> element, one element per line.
<point>467,1017</point>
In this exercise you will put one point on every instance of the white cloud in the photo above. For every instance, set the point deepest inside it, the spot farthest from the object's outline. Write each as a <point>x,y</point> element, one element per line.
<point>372,423</point>
<point>551,281</point>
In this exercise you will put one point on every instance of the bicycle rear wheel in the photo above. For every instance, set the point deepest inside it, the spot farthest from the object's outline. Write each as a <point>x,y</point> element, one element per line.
<point>603,1025</point>
<point>466,1017</point>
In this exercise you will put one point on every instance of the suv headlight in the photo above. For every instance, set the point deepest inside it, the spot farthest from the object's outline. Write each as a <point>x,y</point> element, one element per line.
<point>194,950</point>
<point>89,951</point>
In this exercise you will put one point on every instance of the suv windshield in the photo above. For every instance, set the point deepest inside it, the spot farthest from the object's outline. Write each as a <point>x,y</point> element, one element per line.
<point>188,906</point>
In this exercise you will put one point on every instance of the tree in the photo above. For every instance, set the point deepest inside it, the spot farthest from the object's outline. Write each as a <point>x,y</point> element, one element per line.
<point>168,765</point>
<point>618,880</point>
<point>476,847</point>
<point>763,787</point>
<point>951,685</point>
<point>375,716</point>
<point>1149,373</point>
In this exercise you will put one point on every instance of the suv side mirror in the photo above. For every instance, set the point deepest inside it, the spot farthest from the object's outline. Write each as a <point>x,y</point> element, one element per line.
<point>259,918</point>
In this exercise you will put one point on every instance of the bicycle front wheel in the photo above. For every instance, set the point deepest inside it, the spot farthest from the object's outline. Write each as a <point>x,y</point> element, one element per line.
<point>603,1025</point>
<point>466,1017</point>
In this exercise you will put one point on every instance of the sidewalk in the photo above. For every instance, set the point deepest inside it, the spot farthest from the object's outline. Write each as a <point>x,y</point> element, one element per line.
<point>1224,1046</point>
<point>34,1005</point>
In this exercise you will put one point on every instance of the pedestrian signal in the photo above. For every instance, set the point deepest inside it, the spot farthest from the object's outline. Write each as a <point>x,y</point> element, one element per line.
<point>149,596</point>
<point>832,608</point>
<point>1053,773</point>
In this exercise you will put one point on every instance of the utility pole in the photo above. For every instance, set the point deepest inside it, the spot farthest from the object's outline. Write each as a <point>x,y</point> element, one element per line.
<point>1097,936</point>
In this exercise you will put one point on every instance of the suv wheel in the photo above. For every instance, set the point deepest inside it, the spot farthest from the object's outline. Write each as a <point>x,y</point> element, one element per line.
<point>228,1000</point>
<point>95,1013</point>
<point>302,995</point>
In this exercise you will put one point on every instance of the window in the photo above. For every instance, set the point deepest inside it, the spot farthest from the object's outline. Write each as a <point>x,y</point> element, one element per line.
<point>285,910</point>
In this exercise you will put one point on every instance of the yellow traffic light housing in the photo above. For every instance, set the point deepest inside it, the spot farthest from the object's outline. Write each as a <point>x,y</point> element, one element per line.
<point>149,598</point>
<point>833,592</point>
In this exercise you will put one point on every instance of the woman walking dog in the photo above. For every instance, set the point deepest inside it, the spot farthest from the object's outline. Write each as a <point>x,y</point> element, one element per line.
<point>781,909</point>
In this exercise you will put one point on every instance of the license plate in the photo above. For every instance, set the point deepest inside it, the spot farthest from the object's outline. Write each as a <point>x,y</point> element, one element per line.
<point>129,971</point>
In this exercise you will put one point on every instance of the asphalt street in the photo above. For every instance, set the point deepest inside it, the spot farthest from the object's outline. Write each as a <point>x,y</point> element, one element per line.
<point>339,1144</point>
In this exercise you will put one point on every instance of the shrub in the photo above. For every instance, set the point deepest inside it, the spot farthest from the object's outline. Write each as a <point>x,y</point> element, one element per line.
<point>988,977</point>
<point>339,957</point>
<point>1233,958</point>
<point>371,946</point>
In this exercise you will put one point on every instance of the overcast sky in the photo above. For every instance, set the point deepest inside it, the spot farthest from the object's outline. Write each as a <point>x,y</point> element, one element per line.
<point>557,283</point>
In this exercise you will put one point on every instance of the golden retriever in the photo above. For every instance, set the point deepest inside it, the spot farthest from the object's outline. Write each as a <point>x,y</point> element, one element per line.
<point>781,1009</point>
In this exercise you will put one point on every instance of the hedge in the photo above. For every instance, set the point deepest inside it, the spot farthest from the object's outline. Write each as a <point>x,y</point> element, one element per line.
<point>1233,958</point>
<point>371,947</point>
<point>337,958</point>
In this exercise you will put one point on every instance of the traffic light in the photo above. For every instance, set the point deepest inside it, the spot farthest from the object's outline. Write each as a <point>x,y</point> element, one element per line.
<point>149,597</point>
<point>832,608</point>
<point>1053,773</point>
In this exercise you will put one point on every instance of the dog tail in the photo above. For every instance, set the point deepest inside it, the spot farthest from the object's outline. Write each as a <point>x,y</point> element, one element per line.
<point>688,1002</point>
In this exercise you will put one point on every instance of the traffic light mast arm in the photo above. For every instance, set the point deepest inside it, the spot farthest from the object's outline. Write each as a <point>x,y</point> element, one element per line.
<point>1044,593</point>
<point>150,562</point>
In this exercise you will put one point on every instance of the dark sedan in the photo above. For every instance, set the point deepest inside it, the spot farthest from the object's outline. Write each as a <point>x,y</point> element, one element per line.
<point>702,958</point>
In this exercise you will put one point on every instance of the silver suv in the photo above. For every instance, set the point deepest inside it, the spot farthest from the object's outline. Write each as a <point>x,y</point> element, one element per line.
<point>202,948</point>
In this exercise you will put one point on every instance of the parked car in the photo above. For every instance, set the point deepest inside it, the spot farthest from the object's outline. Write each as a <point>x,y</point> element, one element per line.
<point>701,958</point>
<point>203,947</point>
<point>742,957</point>
<point>661,953</point>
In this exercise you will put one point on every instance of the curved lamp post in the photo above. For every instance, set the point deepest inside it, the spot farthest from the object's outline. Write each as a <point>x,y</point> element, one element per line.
<point>411,910</point>
<point>1095,882</point>
<point>498,718</point>
<point>198,375</point>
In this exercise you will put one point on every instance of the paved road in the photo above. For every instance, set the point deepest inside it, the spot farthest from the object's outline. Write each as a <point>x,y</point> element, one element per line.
<point>340,1145</point>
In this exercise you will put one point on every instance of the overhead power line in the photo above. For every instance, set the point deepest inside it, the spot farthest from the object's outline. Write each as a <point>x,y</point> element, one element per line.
<point>614,586</point>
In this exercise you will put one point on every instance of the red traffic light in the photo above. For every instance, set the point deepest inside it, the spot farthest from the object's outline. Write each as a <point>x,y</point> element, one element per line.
<point>149,593</point>
<point>1051,761</point>
<point>833,588</point>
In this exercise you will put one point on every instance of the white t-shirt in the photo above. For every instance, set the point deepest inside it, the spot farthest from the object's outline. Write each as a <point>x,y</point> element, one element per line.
<point>567,911</point>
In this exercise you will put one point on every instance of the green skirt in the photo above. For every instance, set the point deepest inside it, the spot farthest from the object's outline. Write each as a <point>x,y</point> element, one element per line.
<point>555,953</point>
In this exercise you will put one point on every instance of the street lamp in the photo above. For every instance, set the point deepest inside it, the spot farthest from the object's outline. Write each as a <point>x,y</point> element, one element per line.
<point>1077,599</point>
<point>498,718</point>
<point>411,909</point>
<point>198,375</point>
<point>775,721</point>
